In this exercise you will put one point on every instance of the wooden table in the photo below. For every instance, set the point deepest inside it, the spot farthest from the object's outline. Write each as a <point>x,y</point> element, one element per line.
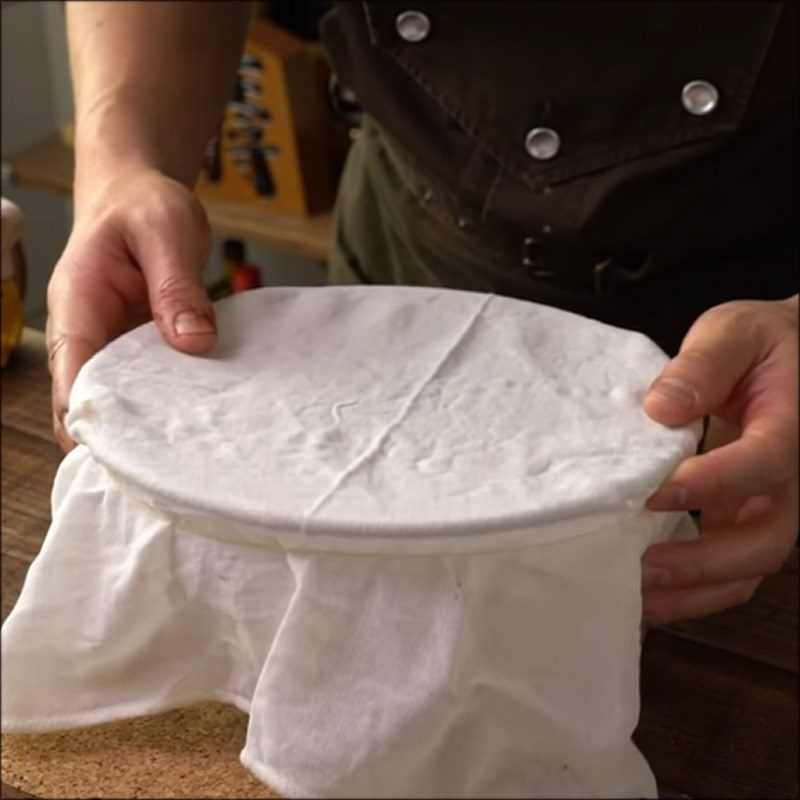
<point>50,165</point>
<point>719,694</point>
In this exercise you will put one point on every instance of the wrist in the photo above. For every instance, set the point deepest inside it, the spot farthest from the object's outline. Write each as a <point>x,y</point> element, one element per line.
<point>119,135</point>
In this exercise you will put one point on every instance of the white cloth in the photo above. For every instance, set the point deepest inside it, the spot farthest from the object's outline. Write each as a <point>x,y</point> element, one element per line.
<point>401,527</point>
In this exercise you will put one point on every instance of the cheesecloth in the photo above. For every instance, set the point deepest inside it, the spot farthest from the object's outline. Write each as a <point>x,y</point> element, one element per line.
<point>400,527</point>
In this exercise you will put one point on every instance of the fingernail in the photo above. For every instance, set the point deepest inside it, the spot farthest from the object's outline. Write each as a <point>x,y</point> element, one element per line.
<point>669,497</point>
<point>675,391</point>
<point>188,323</point>
<point>653,577</point>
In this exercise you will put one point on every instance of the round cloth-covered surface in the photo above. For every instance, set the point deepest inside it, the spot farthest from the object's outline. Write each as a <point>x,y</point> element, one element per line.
<point>400,528</point>
<point>382,412</point>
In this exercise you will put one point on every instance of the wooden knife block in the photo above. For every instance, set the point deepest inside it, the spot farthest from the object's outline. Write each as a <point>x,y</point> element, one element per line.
<point>301,127</point>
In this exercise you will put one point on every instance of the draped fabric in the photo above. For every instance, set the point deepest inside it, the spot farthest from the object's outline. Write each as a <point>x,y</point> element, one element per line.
<point>401,528</point>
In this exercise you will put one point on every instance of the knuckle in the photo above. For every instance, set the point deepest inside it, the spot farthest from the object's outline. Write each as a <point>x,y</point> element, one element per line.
<point>175,293</point>
<point>150,215</point>
<point>737,317</point>
<point>694,365</point>
<point>770,321</point>
<point>696,573</point>
<point>176,287</point>
<point>729,322</point>
<point>55,346</point>
<point>171,219</point>
<point>158,211</point>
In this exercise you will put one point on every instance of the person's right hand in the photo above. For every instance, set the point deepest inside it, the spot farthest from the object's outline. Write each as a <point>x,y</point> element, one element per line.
<point>136,251</point>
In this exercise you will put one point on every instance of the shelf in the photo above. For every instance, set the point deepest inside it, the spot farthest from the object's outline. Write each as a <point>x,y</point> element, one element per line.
<point>50,165</point>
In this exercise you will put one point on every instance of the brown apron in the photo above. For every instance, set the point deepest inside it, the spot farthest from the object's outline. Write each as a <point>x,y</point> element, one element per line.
<point>556,152</point>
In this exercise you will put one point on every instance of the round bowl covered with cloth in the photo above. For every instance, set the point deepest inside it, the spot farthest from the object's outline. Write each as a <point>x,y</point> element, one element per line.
<point>400,527</point>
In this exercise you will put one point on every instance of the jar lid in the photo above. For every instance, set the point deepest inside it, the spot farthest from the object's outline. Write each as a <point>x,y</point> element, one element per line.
<point>382,412</point>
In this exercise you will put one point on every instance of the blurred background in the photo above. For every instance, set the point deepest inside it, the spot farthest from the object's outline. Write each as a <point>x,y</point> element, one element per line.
<point>271,180</point>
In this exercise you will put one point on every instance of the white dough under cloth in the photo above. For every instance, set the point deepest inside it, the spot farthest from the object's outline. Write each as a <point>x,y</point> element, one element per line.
<point>400,527</point>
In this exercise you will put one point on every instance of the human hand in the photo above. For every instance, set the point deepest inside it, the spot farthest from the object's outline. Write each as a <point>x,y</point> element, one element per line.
<point>739,362</point>
<point>137,249</point>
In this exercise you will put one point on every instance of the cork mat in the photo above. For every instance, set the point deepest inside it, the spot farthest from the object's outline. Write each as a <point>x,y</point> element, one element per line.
<point>190,752</point>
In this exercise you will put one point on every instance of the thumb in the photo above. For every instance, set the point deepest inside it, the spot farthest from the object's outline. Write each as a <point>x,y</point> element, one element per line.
<point>716,353</point>
<point>172,257</point>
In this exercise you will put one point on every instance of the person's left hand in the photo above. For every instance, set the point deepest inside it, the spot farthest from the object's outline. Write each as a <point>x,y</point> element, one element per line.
<point>739,363</point>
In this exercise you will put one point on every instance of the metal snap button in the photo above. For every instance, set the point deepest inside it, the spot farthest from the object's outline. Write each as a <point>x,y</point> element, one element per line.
<point>542,143</point>
<point>699,97</point>
<point>412,26</point>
